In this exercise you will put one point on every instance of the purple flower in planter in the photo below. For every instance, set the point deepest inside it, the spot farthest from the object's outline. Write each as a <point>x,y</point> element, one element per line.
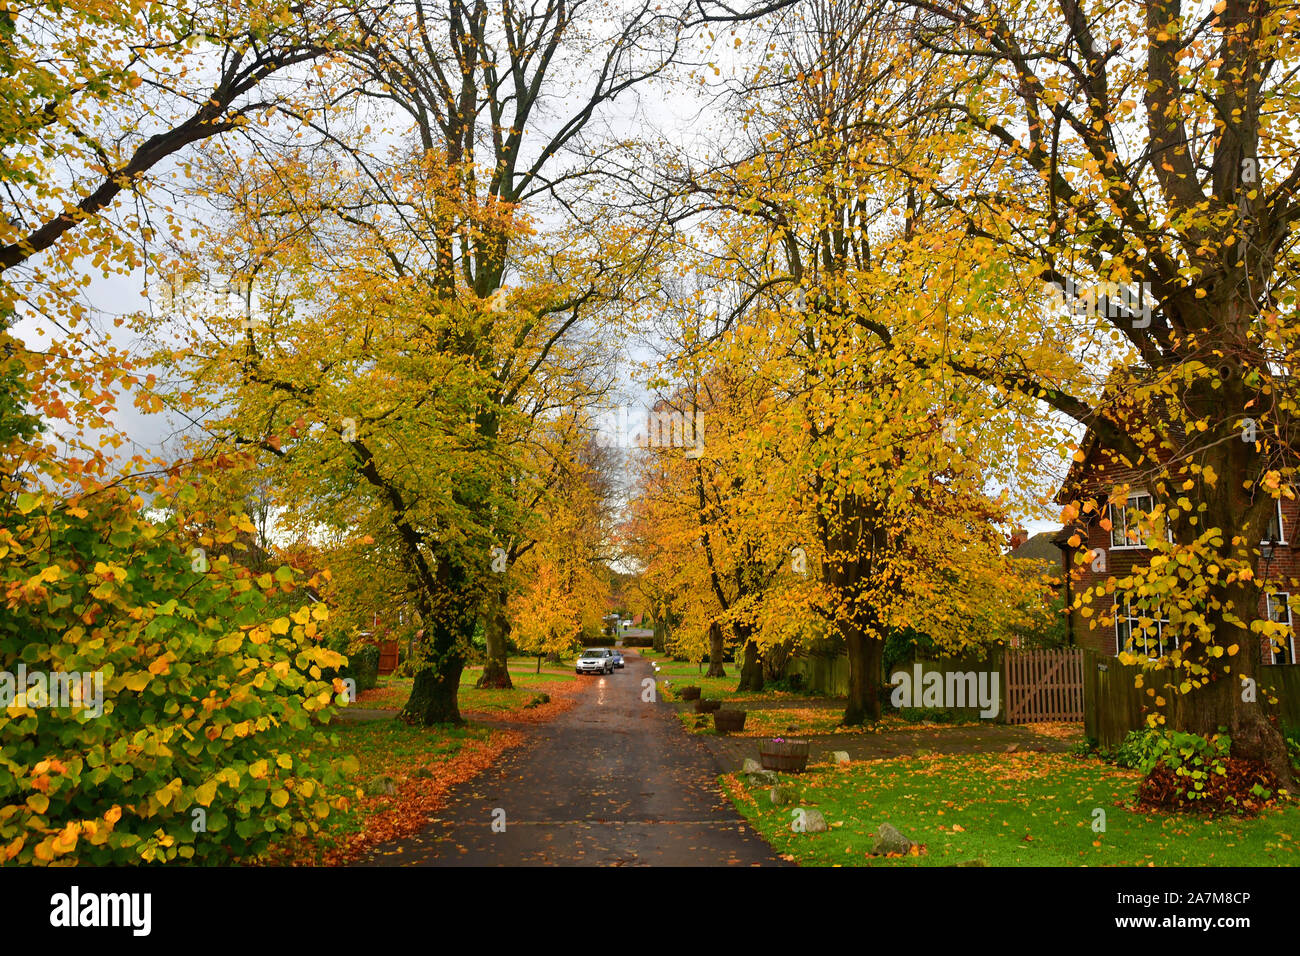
<point>778,740</point>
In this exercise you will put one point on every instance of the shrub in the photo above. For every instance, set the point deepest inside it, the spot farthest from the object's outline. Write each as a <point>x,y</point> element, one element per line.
<point>1132,749</point>
<point>207,699</point>
<point>934,715</point>
<point>791,683</point>
<point>1188,771</point>
<point>1084,748</point>
<point>1191,755</point>
<point>1238,785</point>
<point>363,667</point>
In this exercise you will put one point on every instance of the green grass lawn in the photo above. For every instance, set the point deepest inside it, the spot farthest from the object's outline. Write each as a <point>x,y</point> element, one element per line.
<point>390,693</point>
<point>679,674</point>
<point>384,750</point>
<point>1006,810</point>
<point>777,721</point>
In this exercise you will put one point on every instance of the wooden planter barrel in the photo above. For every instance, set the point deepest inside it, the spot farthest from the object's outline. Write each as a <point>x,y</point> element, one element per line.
<point>690,693</point>
<point>790,756</point>
<point>728,721</point>
<point>707,706</point>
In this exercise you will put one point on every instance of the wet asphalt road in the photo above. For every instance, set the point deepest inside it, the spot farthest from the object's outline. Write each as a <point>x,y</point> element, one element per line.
<point>612,782</point>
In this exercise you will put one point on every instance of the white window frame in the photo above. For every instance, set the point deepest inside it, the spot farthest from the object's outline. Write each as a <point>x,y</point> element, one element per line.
<point>1268,609</point>
<point>1281,527</point>
<point>1129,621</point>
<point>1112,511</point>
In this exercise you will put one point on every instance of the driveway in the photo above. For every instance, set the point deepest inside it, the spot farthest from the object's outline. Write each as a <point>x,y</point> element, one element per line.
<point>614,781</point>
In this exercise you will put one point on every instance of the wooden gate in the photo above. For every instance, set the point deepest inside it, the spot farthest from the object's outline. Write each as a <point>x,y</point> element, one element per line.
<point>1043,685</point>
<point>387,657</point>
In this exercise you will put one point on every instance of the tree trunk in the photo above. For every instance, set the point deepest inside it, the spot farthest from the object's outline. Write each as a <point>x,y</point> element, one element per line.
<point>775,660</point>
<point>715,651</point>
<point>1222,702</point>
<point>855,536</point>
<point>1242,513</point>
<point>751,669</point>
<point>496,632</point>
<point>866,674</point>
<point>433,697</point>
<point>436,684</point>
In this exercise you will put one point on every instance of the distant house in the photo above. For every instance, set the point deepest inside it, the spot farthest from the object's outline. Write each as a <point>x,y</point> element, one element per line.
<point>1042,548</point>
<point>1097,476</point>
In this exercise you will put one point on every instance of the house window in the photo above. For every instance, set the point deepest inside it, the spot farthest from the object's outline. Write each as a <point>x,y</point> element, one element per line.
<point>1279,611</point>
<point>1131,637</point>
<point>1124,520</point>
<point>1276,530</point>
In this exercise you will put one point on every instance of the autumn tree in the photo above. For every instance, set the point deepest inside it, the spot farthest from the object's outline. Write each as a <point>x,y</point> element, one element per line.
<point>707,535</point>
<point>1139,158</point>
<point>471,81</point>
<point>818,217</point>
<point>563,576</point>
<point>388,403</point>
<point>210,685</point>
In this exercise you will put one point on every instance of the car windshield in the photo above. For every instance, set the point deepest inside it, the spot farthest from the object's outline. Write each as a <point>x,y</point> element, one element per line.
<point>593,653</point>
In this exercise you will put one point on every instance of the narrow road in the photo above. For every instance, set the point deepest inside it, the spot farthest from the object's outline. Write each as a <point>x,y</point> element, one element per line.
<point>615,781</point>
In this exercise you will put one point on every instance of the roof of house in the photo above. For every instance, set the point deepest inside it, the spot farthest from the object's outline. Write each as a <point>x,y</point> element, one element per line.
<point>1041,547</point>
<point>1078,477</point>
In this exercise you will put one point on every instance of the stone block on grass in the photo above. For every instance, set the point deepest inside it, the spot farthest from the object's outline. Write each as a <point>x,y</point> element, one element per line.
<point>889,839</point>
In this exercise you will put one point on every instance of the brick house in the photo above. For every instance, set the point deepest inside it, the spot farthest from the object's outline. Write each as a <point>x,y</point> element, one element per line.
<point>1098,476</point>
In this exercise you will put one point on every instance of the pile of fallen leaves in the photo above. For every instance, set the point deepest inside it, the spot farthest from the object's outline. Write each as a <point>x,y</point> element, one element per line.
<point>420,792</point>
<point>1058,730</point>
<point>563,695</point>
<point>1232,792</point>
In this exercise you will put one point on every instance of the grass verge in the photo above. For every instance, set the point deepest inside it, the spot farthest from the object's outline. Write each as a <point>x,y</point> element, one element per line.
<point>1006,810</point>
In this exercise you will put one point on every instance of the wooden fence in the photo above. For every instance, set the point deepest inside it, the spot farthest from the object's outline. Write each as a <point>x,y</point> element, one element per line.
<point>1043,685</point>
<point>1114,705</point>
<point>822,673</point>
<point>1036,685</point>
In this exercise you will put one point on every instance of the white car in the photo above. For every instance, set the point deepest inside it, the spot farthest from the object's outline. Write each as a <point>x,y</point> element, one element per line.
<point>595,660</point>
